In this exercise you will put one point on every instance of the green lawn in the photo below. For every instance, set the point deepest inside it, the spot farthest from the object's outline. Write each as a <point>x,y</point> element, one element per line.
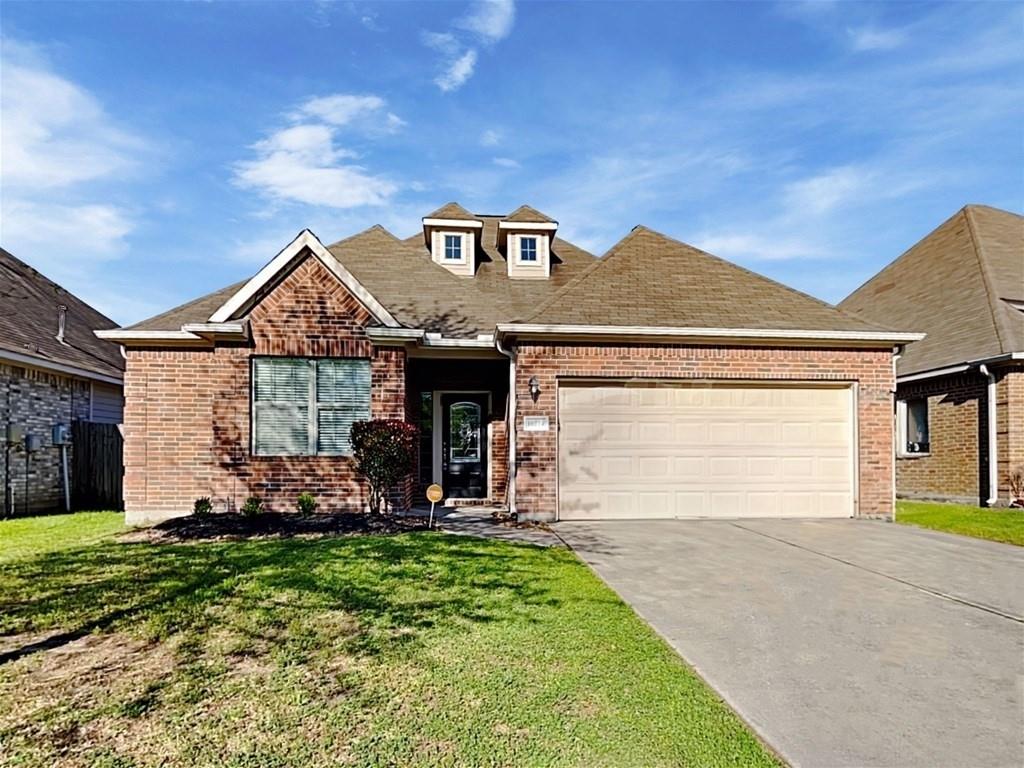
<point>24,537</point>
<point>1005,525</point>
<point>416,649</point>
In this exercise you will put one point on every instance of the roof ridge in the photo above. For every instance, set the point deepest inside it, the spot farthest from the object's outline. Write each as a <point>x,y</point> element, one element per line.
<point>759,276</point>
<point>373,228</point>
<point>986,278</point>
<point>598,263</point>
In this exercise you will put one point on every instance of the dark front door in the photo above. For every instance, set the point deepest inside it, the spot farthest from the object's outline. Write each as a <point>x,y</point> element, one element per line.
<point>464,442</point>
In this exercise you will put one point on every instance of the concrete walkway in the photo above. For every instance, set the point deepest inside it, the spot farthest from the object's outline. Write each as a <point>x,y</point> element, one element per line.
<point>480,521</point>
<point>842,642</point>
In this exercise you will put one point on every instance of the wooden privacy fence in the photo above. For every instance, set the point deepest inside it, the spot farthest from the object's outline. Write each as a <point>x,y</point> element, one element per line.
<point>97,466</point>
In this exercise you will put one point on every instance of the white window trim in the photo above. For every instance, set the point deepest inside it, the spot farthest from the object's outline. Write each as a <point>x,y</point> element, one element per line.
<point>312,408</point>
<point>462,248</point>
<point>902,412</point>
<point>537,249</point>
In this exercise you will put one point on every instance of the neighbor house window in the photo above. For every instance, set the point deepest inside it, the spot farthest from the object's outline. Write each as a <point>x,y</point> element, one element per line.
<point>453,247</point>
<point>306,406</point>
<point>913,426</point>
<point>528,249</point>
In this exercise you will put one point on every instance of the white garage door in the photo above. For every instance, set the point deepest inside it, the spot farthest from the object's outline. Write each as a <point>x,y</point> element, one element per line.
<point>716,450</point>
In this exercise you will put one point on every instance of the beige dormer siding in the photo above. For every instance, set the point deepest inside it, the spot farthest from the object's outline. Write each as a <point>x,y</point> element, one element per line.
<point>466,265</point>
<point>518,269</point>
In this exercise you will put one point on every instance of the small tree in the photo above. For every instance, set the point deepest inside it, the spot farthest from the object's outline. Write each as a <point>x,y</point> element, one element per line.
<point>385,452</point>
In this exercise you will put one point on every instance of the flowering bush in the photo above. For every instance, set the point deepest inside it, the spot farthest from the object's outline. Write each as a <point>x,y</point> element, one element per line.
<point>385,452</point>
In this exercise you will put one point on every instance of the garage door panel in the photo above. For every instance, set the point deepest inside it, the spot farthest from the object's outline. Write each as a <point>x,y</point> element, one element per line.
<point>718,451</point>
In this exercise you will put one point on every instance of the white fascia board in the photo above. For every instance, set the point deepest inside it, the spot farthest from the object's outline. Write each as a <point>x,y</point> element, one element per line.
<point>50,365</point>
<point>395,333</point>
<point>429,339</point>
<point>129,335</point>
<point>215,328</point>
<point>711,333</point>
<point>442,341</point>
<point>540,226</point>
<point>305,239</point>
<point>461,223</point>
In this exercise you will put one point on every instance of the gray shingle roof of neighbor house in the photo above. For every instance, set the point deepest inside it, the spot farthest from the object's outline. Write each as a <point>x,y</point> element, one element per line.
<point>28,322</point>
<point>647,279</point>
<point>959,285</point>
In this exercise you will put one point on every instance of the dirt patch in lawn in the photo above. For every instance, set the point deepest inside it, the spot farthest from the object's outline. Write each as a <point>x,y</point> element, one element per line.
<point>232,527</point>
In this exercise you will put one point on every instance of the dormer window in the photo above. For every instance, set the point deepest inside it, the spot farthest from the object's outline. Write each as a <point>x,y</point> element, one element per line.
<point>528,249</point>
<point>451,233</point>
<point>453,247</point>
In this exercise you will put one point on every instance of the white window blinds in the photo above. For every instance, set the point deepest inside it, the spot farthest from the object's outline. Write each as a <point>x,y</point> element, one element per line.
<point>305,406</point>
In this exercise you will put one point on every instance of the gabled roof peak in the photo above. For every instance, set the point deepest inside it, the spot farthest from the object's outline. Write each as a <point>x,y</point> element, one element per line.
<point>525,213</point>
<point>450,211</point>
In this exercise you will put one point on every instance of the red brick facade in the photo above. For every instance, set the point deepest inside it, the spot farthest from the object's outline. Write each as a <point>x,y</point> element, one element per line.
<point>536,454</point>
<point>187,425</point>
<point>956,466</point>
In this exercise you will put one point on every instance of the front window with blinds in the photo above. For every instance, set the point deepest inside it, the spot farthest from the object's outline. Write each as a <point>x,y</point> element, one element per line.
<point>306,406</point>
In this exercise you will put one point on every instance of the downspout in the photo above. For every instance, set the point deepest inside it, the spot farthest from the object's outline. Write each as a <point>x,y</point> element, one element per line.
<point>993,447</point>
<point>897,354</point>
<point>511,355</point>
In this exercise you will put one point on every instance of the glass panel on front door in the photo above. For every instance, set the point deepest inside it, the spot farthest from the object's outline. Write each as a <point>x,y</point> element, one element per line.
<point>464,433</point>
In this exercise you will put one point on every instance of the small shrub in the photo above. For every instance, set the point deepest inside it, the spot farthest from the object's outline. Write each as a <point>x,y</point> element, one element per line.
<point>306,503</point>
<point>385,452</point>
<point>253,507</point>
<point>1016,479</point>
<point>202,507</point>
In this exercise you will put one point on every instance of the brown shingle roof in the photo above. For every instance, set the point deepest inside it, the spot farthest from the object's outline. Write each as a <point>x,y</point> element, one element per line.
<point>953,285</point>
<point>450,211</point>
<point>28,321</point>
<point>651,280</point>
<point>525,213</point>
<point>195,311</point>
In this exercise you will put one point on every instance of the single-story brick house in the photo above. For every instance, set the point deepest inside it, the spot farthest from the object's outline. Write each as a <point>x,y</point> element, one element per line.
<point>53,371</point>
<point>960,392</point>
<point>656,381</point>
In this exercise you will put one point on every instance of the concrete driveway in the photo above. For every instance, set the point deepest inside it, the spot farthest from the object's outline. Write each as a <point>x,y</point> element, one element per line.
<point>842,642</point>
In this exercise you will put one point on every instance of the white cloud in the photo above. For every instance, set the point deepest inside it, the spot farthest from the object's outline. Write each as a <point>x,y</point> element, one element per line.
<point>56,143</point>
<point>506,162</point>
<point>871,39</point>
<point>457,73</point>
<point>821,193</point>
<point>54,133</point>
<point>490,138</point>
<point>740,247</point>
<point>489,20</point>
<point>304,163</point>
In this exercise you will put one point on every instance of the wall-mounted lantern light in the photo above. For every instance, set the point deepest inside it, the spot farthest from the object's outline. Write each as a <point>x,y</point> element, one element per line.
<point>534,388</point>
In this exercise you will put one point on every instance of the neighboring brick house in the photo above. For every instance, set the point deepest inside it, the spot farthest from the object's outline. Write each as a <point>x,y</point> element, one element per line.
<point>960,392</point>
<point>656,381</point>
<point>53,370</point>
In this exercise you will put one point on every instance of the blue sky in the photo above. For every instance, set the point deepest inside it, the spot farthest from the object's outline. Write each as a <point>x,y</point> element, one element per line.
<point>153,152</point>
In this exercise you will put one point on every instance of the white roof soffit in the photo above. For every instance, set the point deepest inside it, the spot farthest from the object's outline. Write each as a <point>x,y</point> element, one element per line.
<point>602,331</point>
<point>540,226</point>
<point>459,223</point>
<point>426,339</point>
<point>190,333</point>
<point>279,263</point>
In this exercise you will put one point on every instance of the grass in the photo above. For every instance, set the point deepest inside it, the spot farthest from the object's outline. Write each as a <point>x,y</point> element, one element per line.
<point>994,524</point>
<point>28,536</point>
<point>419,649</point>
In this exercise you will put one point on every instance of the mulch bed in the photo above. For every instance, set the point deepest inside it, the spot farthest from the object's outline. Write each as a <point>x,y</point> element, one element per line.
<point>231,527</point>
